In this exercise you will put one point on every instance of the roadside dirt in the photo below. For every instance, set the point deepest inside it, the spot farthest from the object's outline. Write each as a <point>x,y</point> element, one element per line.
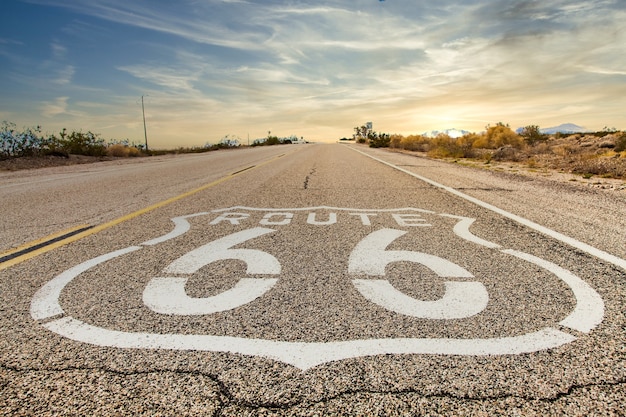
<point>563,172</point>
<point>582,159</point>
<point>34,162</point>
<point>558,175</point>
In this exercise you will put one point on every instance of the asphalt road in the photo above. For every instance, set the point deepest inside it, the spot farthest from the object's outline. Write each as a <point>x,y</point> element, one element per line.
<point>309,280</point>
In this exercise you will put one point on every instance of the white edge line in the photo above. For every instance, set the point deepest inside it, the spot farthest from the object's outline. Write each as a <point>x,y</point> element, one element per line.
<point>619,262</point>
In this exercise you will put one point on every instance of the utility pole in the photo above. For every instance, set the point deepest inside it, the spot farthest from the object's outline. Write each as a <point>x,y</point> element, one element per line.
<point>145,132</point>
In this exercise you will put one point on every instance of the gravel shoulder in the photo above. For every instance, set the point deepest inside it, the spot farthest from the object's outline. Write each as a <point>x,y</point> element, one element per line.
<point>522,169</point>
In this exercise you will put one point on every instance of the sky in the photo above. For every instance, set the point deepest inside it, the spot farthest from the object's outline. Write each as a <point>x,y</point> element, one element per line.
<point>314,69</point>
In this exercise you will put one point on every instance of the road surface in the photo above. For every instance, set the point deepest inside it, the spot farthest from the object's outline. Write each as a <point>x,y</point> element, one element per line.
<point>309,280</point>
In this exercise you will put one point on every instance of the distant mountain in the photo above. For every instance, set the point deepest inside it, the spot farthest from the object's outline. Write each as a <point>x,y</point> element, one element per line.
<point>564,128</point>
<point>453,133</point>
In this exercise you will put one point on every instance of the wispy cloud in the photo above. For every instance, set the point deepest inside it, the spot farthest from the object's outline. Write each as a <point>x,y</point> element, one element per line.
<point>331,64</point>
<point>55,108</point>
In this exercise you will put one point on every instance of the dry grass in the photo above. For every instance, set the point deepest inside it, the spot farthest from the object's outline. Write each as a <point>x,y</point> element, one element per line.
<point>580,154</point>
<point>586,155</point>
<point>122,151</point>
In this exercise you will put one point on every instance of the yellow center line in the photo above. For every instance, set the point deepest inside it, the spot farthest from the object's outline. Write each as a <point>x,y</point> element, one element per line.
<point>96,229</point>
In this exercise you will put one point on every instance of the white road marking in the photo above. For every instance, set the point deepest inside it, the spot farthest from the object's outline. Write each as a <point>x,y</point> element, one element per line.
<point>181,226</point>
<point>308,355</point>
<point>369,257</point>
<point>461,229</point>
<point>589,310</point>
<point>45,302</point>
<point>312,219</point>
<point>167,296</point>
<point>258,262</point>
<point>461,299</point>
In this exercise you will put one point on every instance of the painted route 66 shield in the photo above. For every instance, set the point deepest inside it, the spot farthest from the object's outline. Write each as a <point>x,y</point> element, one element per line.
<point>307,286</point>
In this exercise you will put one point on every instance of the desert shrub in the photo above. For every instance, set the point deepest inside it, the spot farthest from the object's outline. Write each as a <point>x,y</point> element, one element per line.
<point>119,150</point>
<point>272,140</point>
<point>620,143</point>
<point>507,153</point>
<point>443,146</point>
<point>380,140</point>
<point>568,150</point>
<point>540,148</point>
<point>498,136</point>
<point>14,143</point>
<point>415,143</point>
<point>532,135</point>
<point>602,166</point>
<point>395,141</point>
<point>79,143</point>
<point>466,143</point>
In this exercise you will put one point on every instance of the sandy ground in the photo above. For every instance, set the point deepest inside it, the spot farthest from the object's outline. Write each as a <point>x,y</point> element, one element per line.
<point>35,162</point>
<point>521,168</point>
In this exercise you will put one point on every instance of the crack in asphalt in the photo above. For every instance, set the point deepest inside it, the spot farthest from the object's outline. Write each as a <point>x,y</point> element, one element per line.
<point>349,393</point>
<point>226,398</point>
<point>308,178</point>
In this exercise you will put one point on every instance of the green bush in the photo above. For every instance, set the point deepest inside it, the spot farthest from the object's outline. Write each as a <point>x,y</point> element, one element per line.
<point>380,140</point>
<point>30,142</point>
<point>14,144</point>
<point>532,135</point>
<point>79,143</point>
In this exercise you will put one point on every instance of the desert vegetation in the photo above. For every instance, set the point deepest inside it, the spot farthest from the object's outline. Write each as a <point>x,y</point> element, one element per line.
<point>30,148</point>
<point>600,153</point>
<point>30,142</point>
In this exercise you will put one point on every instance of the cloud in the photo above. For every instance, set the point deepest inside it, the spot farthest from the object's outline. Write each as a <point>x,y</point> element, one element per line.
<point>55,108</point>
<point>603,71</point>
<point>65,75</point>
<point>58,51</point>
<point>168,77</point>
<point>306,64</point>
